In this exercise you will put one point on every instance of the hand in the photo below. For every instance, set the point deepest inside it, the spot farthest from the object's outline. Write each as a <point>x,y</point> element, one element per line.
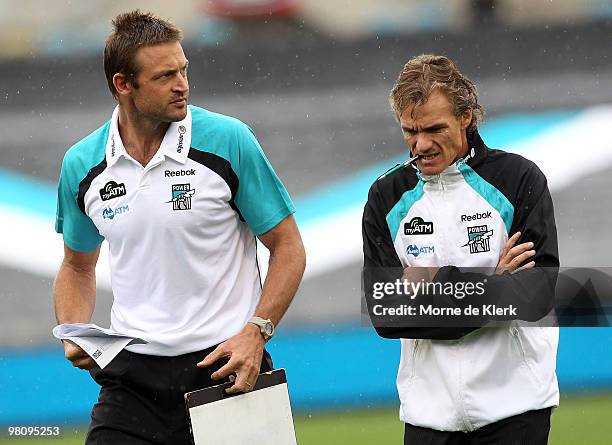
<point>77,356</point>
<point>417,274</point>
<point>513,256</point>
<point>245,351</point>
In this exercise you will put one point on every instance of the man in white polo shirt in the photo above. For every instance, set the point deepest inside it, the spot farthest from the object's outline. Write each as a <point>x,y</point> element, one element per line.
<point>180,194</point>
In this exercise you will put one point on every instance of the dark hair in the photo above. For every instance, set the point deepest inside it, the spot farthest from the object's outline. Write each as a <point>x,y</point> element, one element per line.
<point>423,74</point>
<point>131,31</point>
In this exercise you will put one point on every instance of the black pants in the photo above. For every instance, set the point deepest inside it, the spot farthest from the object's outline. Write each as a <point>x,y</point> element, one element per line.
<point>141,400</point>
<point>530,428</point>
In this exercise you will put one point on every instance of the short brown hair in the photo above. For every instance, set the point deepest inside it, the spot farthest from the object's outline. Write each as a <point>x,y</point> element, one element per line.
<point>423,74</point>
<point>131,31</point>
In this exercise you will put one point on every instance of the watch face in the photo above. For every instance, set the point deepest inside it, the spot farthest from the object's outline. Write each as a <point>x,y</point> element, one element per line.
<point>269,329</point>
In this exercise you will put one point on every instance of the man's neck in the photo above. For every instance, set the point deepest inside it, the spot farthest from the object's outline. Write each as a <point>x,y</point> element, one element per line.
<point>140,135</point>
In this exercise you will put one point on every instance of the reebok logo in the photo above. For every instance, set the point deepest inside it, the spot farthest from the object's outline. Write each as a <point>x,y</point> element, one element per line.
<point>171,174</point>
<point>475,216</point>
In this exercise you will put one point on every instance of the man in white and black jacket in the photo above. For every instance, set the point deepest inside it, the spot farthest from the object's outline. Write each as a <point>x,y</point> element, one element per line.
<point>463,205</point>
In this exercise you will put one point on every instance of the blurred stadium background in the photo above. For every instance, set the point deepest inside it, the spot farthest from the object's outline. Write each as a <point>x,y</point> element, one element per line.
<point>311,77</point>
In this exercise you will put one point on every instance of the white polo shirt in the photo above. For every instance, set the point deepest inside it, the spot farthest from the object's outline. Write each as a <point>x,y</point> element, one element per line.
<point>181,231</point>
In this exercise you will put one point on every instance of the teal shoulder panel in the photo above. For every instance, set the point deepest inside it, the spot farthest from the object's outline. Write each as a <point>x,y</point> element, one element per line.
<point>402,207</point>
<point>216,133</point>
<point>88,152</point>
<point>79,231</point>
<point>492,195</point>
<point>261,197</point>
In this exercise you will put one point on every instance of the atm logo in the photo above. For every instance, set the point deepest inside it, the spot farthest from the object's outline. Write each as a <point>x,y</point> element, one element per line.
<point>112,190</point>
<point>418,226</point>
<point>109,213</point>
<point>415,250</point>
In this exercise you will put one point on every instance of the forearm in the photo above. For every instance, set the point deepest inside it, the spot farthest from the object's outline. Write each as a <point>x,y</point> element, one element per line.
<point>285,270</point>
<point>74,294</point>
<point>531,292</point>
<point>400,326</point>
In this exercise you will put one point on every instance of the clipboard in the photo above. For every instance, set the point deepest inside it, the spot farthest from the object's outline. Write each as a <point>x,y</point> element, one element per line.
<point>263,414</point>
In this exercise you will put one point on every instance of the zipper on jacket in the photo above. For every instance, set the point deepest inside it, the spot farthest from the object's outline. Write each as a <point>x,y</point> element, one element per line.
<point>415,350</point>
<point>519,341</point>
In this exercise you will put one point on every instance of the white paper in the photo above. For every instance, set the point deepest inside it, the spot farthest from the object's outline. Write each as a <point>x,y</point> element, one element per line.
<point>261,416</point>
<point>101,344</point>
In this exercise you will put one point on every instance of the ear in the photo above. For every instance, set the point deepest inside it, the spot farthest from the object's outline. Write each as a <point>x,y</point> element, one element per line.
<point>466,118</point>
<point>122,84</point>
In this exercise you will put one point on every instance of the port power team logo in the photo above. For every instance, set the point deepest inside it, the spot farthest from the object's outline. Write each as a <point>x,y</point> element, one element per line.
<point>478,239</point>
<point>181,196</point>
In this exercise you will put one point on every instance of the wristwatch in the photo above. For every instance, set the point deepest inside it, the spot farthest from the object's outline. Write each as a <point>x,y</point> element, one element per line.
<point>266,327</point>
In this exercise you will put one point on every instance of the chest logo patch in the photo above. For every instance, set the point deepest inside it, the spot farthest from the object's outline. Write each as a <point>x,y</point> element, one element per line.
<point>418,226</point>
<point>478,239</point>
<point>415,250</point>
<point>181,196</point>
<point>112,190</point>
<point>109,213</point>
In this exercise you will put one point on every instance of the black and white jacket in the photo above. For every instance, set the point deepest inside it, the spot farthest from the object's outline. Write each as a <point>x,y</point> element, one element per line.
<point>462,378</point>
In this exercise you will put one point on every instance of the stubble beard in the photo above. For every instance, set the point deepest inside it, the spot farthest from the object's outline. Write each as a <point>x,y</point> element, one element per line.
<point>164,114</point>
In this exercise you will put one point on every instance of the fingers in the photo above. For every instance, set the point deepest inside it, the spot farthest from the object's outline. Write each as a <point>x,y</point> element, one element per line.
<point>520,259</point>
<point>84,363</point>
<point>226,370</point>
<point>245,351</point>
<point>529,265</point>
<point>510,244</point>
<point>515,251</point>
<point>73,352</point>
<point>79,358</point>
<point>211,358</point>
<point>243,375</point>
<point>513,256</point>
<point>245,382</point>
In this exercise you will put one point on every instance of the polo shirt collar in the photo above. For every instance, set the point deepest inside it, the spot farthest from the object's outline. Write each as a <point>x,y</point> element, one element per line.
<point>175,144</point>
<point>114,145</point>
<point>177,139</point>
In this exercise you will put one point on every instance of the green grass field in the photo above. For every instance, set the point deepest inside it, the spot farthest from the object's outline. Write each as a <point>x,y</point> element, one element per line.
<point>579,420</point>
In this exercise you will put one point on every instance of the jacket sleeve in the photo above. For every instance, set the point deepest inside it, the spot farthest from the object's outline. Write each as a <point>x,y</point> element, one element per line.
<point>381,263</point>
<point>532,291</point>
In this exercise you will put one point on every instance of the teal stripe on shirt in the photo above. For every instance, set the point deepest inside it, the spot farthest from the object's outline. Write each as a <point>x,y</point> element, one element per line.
<point>493,196</point>
<point>402,207</point>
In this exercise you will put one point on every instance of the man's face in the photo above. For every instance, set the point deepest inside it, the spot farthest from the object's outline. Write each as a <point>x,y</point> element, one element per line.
<point>163,88</point>
<point>433,131</point>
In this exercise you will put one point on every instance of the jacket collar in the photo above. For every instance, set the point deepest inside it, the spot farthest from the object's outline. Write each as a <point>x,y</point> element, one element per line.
<point>477,152</point>
<point>175,144</point>
<point>478,149</point>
